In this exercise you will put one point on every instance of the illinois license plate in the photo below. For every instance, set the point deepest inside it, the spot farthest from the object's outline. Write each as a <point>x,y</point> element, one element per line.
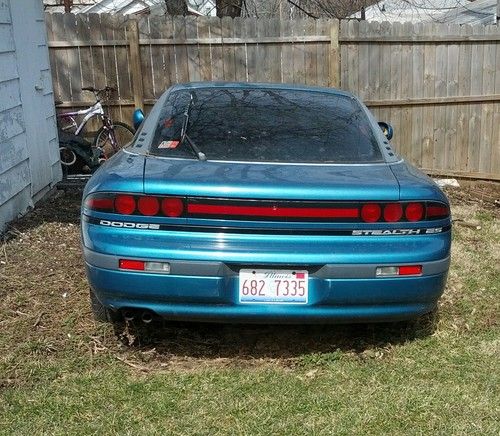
<point>273,286</point>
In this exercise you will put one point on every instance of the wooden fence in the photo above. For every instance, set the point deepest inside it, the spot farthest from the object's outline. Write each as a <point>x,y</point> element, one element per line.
<point>438,85</point>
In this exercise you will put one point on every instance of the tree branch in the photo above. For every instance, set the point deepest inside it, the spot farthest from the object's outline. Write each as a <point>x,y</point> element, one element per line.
<point>302,9</point>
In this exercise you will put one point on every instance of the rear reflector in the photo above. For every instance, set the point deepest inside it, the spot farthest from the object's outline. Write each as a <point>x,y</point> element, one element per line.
<point>405,270</point>
<point>410,270</point>
<point>137,265</point>
<point>140,265</point>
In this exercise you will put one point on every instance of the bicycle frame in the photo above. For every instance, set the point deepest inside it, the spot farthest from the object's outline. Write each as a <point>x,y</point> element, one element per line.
<point>95,110</point>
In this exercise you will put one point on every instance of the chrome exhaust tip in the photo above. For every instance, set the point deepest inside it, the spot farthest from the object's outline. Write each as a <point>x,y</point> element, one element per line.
<point>128,315</point>
<point>146,317</point>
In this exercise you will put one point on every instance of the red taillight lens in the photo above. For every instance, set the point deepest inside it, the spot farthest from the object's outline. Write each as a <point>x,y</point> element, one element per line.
<point>393,212</point>
<point>104,204</point>
<point>370,212</point>
<point>437,211</point>
<point>125,204</point>
<point>148,206</point>
<point>410,270</point>
<point>137,265</point>
<point>172,207</point>
<point>414,211</point>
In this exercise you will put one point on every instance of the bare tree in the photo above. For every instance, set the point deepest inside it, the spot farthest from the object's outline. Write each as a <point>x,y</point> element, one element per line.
<point>176,7</point>
<point>330,8</point>
<point>229,8</point>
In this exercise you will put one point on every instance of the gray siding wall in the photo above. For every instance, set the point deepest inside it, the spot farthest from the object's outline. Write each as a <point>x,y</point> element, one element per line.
<point>29,160</point>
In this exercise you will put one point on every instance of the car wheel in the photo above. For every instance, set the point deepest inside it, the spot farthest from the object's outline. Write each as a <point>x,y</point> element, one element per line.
<point>100,312</point>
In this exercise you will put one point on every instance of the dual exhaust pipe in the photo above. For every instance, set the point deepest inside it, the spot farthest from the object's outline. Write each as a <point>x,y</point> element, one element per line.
<point>146,316</point>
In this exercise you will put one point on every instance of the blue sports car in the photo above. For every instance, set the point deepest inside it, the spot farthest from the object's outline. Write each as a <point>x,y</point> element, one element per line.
<point>266,203</point>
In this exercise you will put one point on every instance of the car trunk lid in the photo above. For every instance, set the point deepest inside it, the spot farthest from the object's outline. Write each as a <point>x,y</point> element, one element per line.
<point>276,181</point>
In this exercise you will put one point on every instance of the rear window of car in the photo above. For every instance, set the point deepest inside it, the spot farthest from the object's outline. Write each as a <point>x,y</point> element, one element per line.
<point>265,125</point>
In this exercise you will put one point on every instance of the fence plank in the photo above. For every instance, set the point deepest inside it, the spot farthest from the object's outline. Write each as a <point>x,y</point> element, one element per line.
<point>451,159</point>
<point>464,81</point>
<point>328,57</point>
<point>487,109</point>
<point>181,51</point>
<point>203,56</point>
<point>476,73</point>
<point>240,51</point>
<point>429,91</point>
<point>136,64</point>
<point>216,50</point>
<point>286,61</point>
<point>417,90</point>
<point>228,58</point>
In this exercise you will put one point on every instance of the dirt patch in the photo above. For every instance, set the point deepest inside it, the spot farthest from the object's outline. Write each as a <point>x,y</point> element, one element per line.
<point>44,302</point>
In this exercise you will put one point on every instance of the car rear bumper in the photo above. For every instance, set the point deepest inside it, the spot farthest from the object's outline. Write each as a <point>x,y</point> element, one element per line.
<point>208,291</point>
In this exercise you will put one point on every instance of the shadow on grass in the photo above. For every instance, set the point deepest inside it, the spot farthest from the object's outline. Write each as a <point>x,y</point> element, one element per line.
<point>207,340</point>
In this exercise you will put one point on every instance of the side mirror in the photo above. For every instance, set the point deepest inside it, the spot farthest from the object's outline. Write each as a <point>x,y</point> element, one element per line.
<point>137,118</point>
<point>387,129</point>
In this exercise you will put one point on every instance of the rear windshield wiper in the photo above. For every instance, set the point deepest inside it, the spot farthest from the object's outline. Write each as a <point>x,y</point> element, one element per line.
<point>184,136</point>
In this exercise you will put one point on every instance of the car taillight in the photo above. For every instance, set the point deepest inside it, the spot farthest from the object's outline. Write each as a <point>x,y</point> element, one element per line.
<point>370,212</point>
<point>103,204</point>
<point>393,212</point>
<point>414,211</point>
<point>128,204</point>
<point>437,210</point>
<point>148,206</point>
<point>173,207</point>
<point>125,204</point>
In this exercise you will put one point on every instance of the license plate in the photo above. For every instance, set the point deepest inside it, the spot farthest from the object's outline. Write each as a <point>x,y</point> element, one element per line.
<point>273,286</point>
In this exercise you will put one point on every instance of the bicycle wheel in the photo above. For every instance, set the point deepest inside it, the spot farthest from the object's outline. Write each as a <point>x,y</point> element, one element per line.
<point>67,156</point>
<point>122,132</point>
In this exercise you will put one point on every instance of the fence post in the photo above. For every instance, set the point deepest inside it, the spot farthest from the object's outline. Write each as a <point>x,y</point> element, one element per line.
<point>135,63</point>
<point>334,55</point>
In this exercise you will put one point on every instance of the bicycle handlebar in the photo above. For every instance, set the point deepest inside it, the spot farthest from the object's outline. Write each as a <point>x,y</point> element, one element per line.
<point>99,91</point>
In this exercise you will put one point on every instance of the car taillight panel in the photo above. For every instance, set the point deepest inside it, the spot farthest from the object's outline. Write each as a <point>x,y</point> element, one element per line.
<point>173,207</point>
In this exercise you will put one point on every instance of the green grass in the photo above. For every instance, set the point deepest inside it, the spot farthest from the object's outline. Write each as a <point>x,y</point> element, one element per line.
<point>67,375</point>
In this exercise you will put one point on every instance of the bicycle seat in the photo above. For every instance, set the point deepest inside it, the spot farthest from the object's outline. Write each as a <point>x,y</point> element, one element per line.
<point>89,88</point>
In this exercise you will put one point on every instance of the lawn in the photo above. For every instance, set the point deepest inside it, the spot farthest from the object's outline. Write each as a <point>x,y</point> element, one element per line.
<point>62,373</point>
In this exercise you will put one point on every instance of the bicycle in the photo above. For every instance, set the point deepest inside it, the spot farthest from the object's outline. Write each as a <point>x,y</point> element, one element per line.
<point>110,137</point>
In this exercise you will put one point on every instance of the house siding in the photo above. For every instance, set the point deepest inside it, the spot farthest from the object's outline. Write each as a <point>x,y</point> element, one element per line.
<point>29,157</point>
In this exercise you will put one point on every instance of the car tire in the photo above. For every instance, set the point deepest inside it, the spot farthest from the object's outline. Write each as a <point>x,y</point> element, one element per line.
<point>102,313</point>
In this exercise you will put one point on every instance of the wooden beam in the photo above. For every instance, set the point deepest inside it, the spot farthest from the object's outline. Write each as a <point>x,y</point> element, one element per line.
<point>88,43</point>
<point>472,99</point>
<point>334,72</point>
<point>196,41</point>
<point>419,39</point>
<point>135,63</point>
<point>284,39</point>
<point>434,101</point>
<point>462,174</point>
